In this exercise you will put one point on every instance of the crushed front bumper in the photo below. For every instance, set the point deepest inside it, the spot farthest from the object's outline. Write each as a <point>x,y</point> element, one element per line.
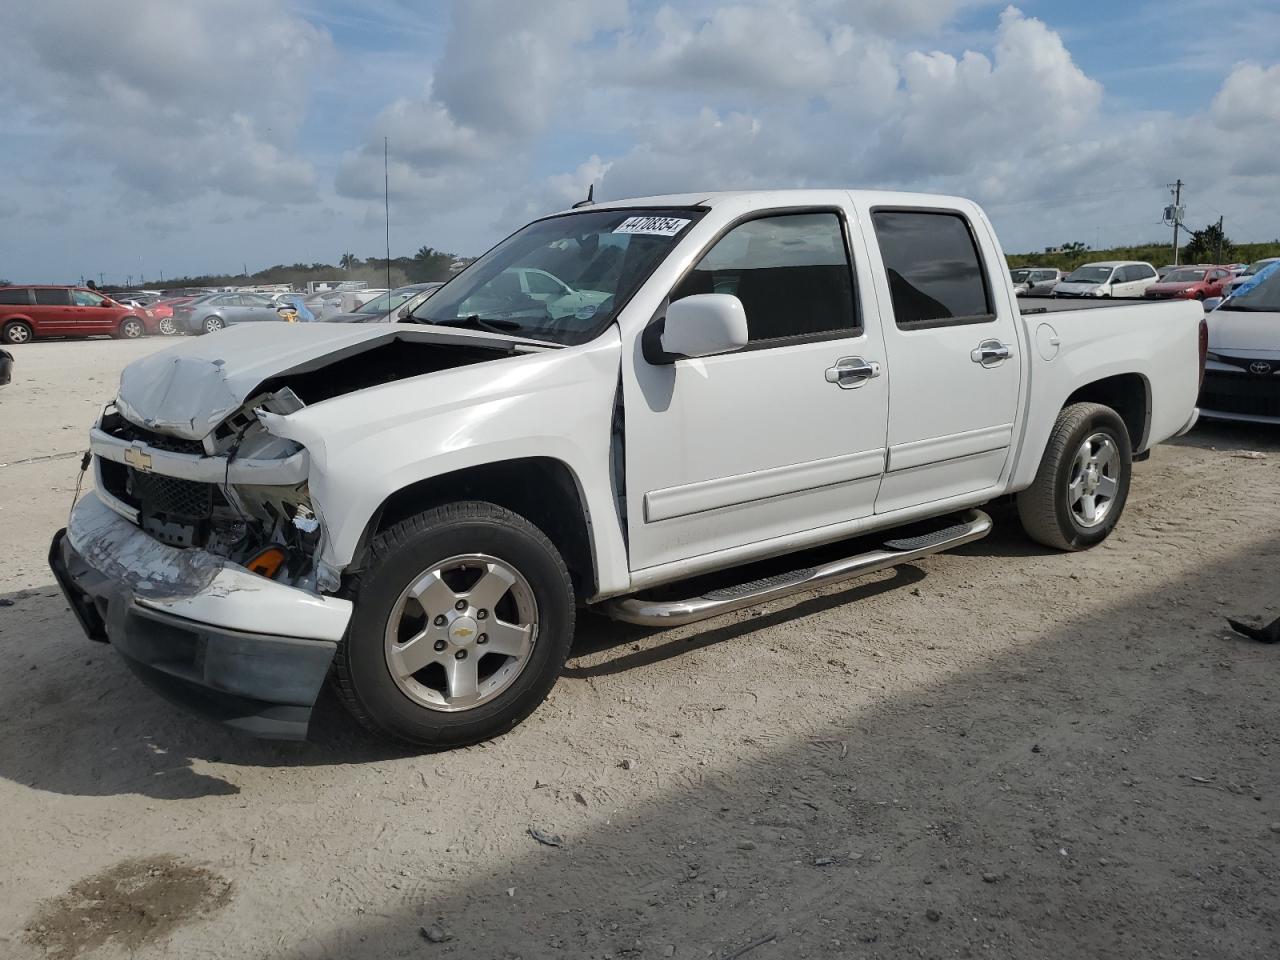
<point>200,630</point>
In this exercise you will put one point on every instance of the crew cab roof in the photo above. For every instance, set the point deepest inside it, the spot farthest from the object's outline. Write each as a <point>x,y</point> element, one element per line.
<point>783,198</point>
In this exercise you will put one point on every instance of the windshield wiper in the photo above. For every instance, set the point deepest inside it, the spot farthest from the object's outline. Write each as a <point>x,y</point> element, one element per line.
<point>480,323</point>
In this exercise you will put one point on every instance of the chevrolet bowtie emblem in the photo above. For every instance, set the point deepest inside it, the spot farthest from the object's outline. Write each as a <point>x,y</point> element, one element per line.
<point>464,632</point>
<point>138,458</point>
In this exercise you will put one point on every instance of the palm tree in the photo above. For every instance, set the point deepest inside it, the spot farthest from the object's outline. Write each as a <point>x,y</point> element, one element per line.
<point>348,260</point>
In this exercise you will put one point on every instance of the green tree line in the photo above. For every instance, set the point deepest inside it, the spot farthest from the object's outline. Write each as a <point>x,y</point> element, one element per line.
<point>426,265</point>
<point>1202,246</point>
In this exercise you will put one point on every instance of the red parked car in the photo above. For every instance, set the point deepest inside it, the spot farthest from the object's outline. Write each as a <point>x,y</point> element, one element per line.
<point>44,310</point>
<point>1190,283</point>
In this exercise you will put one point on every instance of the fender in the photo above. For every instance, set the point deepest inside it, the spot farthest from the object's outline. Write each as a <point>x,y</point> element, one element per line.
<point>556,404</point>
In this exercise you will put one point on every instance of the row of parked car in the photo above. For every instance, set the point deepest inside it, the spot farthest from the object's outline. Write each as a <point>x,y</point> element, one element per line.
<point>1134,278</point>
<point>31,311</point>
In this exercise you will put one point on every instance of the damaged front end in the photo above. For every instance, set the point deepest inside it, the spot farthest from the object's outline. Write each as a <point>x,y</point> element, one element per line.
<point>240,493</point>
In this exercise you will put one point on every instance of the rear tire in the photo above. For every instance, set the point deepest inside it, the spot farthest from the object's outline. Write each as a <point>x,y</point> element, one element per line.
<point>418,588</point>
<point>131,328</point>
<point>1081,487</point>
<point>212,325</point>
<point>17,332</point>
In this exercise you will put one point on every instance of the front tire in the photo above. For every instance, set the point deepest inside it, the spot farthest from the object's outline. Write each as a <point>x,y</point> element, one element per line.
<point>168,328</point>
<point>1081,487</point>
<point>463,620</point>
<point>131,328</point>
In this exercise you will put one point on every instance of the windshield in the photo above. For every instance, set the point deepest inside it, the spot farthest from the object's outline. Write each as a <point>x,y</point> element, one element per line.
<point>561,279</point>
<point>1254,267</point>
<point>1184,276</point>
<point>1264,297</point>
<point>1089,275</point>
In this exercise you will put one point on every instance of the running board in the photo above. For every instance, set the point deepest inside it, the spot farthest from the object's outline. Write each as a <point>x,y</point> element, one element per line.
<point>972,525</point>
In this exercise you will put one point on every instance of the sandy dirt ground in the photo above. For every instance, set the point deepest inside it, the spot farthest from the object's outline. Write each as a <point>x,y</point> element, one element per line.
<point>998,752</point>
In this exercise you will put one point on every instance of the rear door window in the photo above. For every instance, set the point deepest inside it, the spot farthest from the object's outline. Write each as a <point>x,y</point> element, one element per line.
<point>53,297</point>
<point>791,272</point>
<point>86,298</point>
<point>15,295</point>
<point>936,275</point>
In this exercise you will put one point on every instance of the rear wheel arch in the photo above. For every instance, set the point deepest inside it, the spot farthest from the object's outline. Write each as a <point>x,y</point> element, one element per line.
<point>543,490</point>
<point>1129,395</point>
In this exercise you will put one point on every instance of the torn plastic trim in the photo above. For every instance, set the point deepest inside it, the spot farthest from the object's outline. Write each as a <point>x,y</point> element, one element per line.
<point>197,585</point>
<point>286,471</point>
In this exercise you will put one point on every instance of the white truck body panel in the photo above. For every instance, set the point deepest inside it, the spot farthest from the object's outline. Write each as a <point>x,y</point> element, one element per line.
<point>727,458</point>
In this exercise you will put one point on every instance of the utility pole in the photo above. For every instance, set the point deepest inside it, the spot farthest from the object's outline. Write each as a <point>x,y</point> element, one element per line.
<point>1177,217</point>
<point>386,199</point>
<point>1218,258</point>
<point>101,281</point>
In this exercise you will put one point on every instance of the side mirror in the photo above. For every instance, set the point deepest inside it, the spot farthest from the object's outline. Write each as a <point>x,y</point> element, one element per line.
<point>403,313</point>
<point>1212,303</point>
<point>704,325</point>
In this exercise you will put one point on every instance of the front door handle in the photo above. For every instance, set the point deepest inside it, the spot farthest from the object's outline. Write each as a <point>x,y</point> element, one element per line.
<point>850,372</point>
<point>990,353</point>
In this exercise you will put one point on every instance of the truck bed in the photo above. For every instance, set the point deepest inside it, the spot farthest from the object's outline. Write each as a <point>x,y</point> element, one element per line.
<point>1029,306</point>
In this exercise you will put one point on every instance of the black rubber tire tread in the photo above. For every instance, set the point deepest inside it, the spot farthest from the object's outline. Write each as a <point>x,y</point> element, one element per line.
<point>4,334</point>
<point>553,589</point>
<point>142,328</point>
<point>1043,509</point>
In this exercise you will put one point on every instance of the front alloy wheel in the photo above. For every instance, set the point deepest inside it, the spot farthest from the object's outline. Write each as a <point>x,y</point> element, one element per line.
<point>167,327</point>
<point>131,328</point>
<point>463,619</point>
<point>460,634</point>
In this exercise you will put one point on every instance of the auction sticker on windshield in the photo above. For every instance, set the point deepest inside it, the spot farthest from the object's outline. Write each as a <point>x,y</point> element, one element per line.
<point>654,226</point>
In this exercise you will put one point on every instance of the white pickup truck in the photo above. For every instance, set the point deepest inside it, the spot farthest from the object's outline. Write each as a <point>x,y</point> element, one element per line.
<point>625,396</point>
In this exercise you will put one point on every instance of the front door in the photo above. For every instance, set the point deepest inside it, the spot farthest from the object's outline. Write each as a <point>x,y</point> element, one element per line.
<point>952,357</point>
<point>784,436</point>
<point>91,313</point>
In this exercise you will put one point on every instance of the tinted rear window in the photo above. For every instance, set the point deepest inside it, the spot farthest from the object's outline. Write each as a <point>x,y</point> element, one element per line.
<point>52,297</point>
<point>935,273</point>
<point>14,295</point>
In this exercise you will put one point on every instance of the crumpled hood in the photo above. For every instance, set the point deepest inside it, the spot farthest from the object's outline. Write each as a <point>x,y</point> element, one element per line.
<point>191,387</point>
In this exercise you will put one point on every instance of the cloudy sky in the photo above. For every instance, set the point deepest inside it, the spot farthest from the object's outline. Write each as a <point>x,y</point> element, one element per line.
<point>146,135</point>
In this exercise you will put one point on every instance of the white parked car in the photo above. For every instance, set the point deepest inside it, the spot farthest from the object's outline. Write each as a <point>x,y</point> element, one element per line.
<point>421,508</point>
<point>1242,372</point>
<point>1108,278</point>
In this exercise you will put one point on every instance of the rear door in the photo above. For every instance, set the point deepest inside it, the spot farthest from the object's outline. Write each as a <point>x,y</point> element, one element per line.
<point>951,355</point>
<point>781,437</point>
<point>52,312</point>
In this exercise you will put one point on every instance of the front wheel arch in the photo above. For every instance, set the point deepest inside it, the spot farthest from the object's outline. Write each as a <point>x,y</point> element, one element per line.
<point>544,490</point>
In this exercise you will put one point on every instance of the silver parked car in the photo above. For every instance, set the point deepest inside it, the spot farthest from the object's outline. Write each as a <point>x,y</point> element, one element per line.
<point>211,313</point>
<point>387,307</point>
<point>1034,281</point>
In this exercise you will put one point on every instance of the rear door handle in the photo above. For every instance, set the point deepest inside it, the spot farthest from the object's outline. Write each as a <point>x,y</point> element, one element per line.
<point>990,353</point>
<point>850,372</point>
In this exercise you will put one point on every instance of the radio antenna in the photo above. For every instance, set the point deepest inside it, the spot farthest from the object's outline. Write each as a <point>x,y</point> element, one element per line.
<point>591,198</point>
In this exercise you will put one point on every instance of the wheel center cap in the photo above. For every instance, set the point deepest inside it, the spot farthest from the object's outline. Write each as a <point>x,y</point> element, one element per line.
<point>463,631</point>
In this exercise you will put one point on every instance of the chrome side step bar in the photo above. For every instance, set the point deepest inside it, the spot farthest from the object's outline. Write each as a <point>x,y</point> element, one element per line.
<point>972,525</point>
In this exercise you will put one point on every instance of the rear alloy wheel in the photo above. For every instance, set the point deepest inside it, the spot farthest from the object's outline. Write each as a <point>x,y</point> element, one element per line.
<point>168,328</point>
<point>131,328</point>
<point>213,324</point>
<point>1080,489</point>
<point>17,332</point>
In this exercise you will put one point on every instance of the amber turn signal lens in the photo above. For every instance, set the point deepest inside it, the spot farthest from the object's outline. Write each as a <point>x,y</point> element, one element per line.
<point>267,563</point>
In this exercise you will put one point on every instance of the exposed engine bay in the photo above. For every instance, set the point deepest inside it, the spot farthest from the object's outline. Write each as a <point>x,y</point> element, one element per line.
<point>271,528</point>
